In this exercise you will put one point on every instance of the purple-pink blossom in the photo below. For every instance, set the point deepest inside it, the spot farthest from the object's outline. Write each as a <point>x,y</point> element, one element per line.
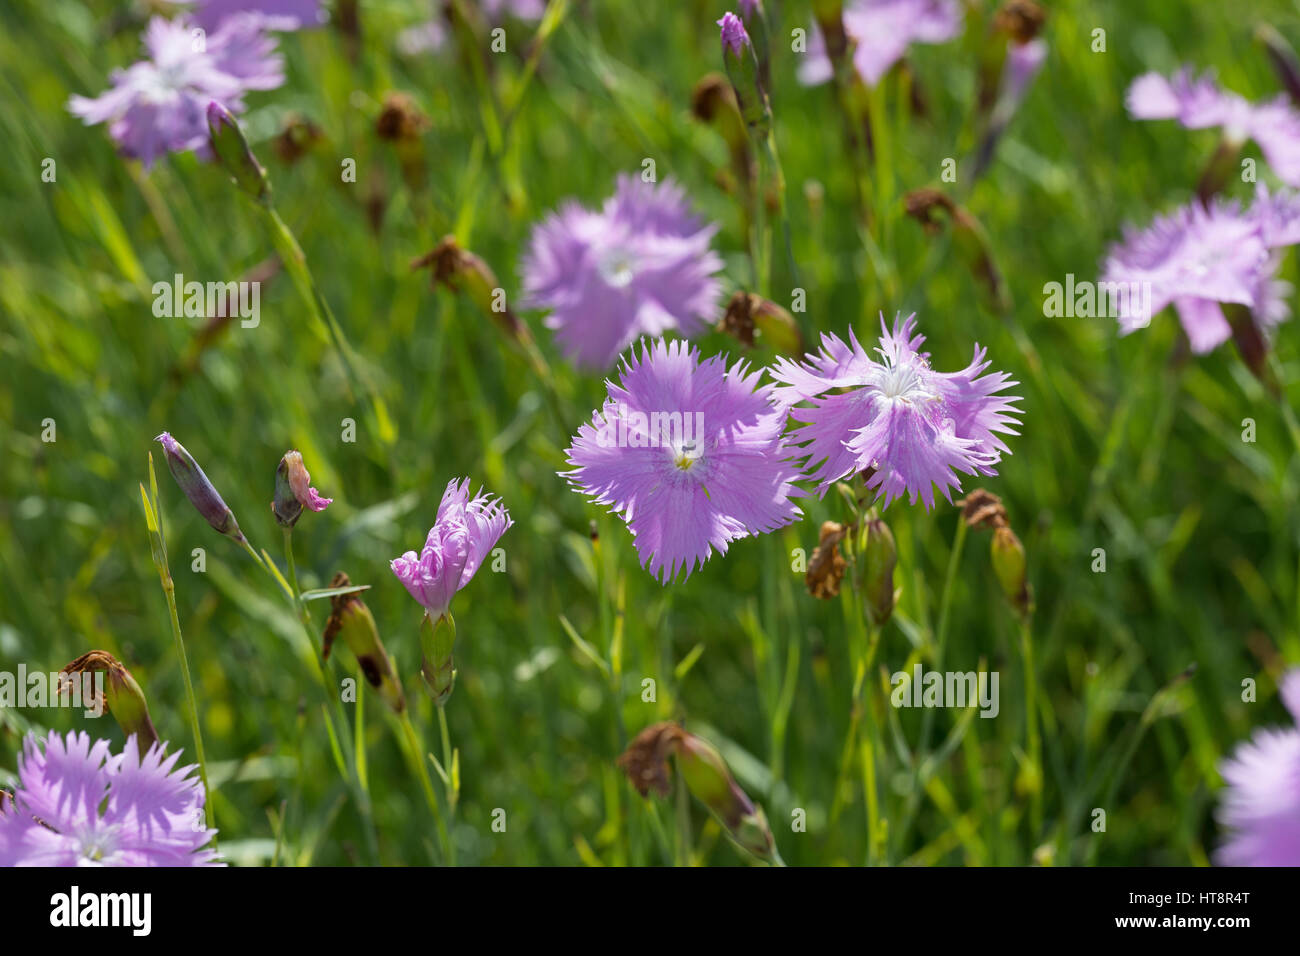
<point>1197,258</point>
<point>276,14</point>
<point>1200,103</point>
<point>880,32</point>
<point>690,453</point>
<point>159,105</point>
<point>1024,60</point>
<point>79,804</point>
<point>463,535</point>
<point>300,483</point>
<point>1261,807</point>
<point>498,10</point>
<point>907,426</point>
<point>734,37</point>
<point>642,265</point>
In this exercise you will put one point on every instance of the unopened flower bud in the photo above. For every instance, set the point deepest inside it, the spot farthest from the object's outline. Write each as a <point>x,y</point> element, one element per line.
<point>297,136</point>
<point>742,69</point>
<point>706,776</point>
<point>232,150</point>
<point>1009,565</point>
<point>754,17</point>
<point>351,620</point>
<point>198,489</point>
<point>123,697</point>
<point>285,505</point>
<point>878,556</point>
<point>437,666</point>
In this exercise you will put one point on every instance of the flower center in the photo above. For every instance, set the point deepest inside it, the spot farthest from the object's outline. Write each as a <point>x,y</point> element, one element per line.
<point>96,844</point>
<point>687,455</point>
<point>903,383</point>
<point>615,268</point>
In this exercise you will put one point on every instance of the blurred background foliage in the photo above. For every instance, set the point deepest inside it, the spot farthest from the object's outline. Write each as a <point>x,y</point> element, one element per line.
<point>1127,445</point>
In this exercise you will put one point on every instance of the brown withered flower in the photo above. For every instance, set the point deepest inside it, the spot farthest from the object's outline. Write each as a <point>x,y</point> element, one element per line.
<point>923,205</point>
<point>751,317</point>
<point>711,93</point>
<point>983,510</point>
<point>464,272</point>
<point>738,320</point>
<point>122,696</point>
<point>1022,20</point>
<point>401,119</point>
<point>296,138</point>
<point>826,566</point>
<point>646,759</point>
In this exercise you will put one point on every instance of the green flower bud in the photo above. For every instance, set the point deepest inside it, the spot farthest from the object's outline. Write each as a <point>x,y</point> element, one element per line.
<point>706,776</point>
<point>437,666</point>
<point>878,556</point>
<point>285,505</point>
<point>742,69</point>
<point>1009,565</point>
<point>232,150</point>
<point>351,620</point>
<point>198,489</point>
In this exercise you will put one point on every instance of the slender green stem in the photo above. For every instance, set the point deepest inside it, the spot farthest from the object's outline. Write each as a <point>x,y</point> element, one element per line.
<point>941,629</point>
<point>416,747</point>
<point>1033,743</point>
<point>295,263</point>
<point>869,747</point>
<point>452,767</point>
<point>446,738</point>
<point>169,589</point>
<point>921,758</point>
<point>778,175</point>
<point>949,579</point>
<point>334,715</point>
<point>683,844</point>
<point>293,574</point>
<point>243,542</point>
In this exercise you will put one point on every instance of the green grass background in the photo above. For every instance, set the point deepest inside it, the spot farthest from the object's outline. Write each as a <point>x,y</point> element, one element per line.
<point>1122,449</point>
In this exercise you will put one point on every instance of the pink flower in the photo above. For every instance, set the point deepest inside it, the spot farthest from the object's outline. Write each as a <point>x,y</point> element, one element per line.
<point>1199,103</point>
<point>689,453</point>
<point>907,425</point>
<point>1261,807</point>
<point>464,533</point>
